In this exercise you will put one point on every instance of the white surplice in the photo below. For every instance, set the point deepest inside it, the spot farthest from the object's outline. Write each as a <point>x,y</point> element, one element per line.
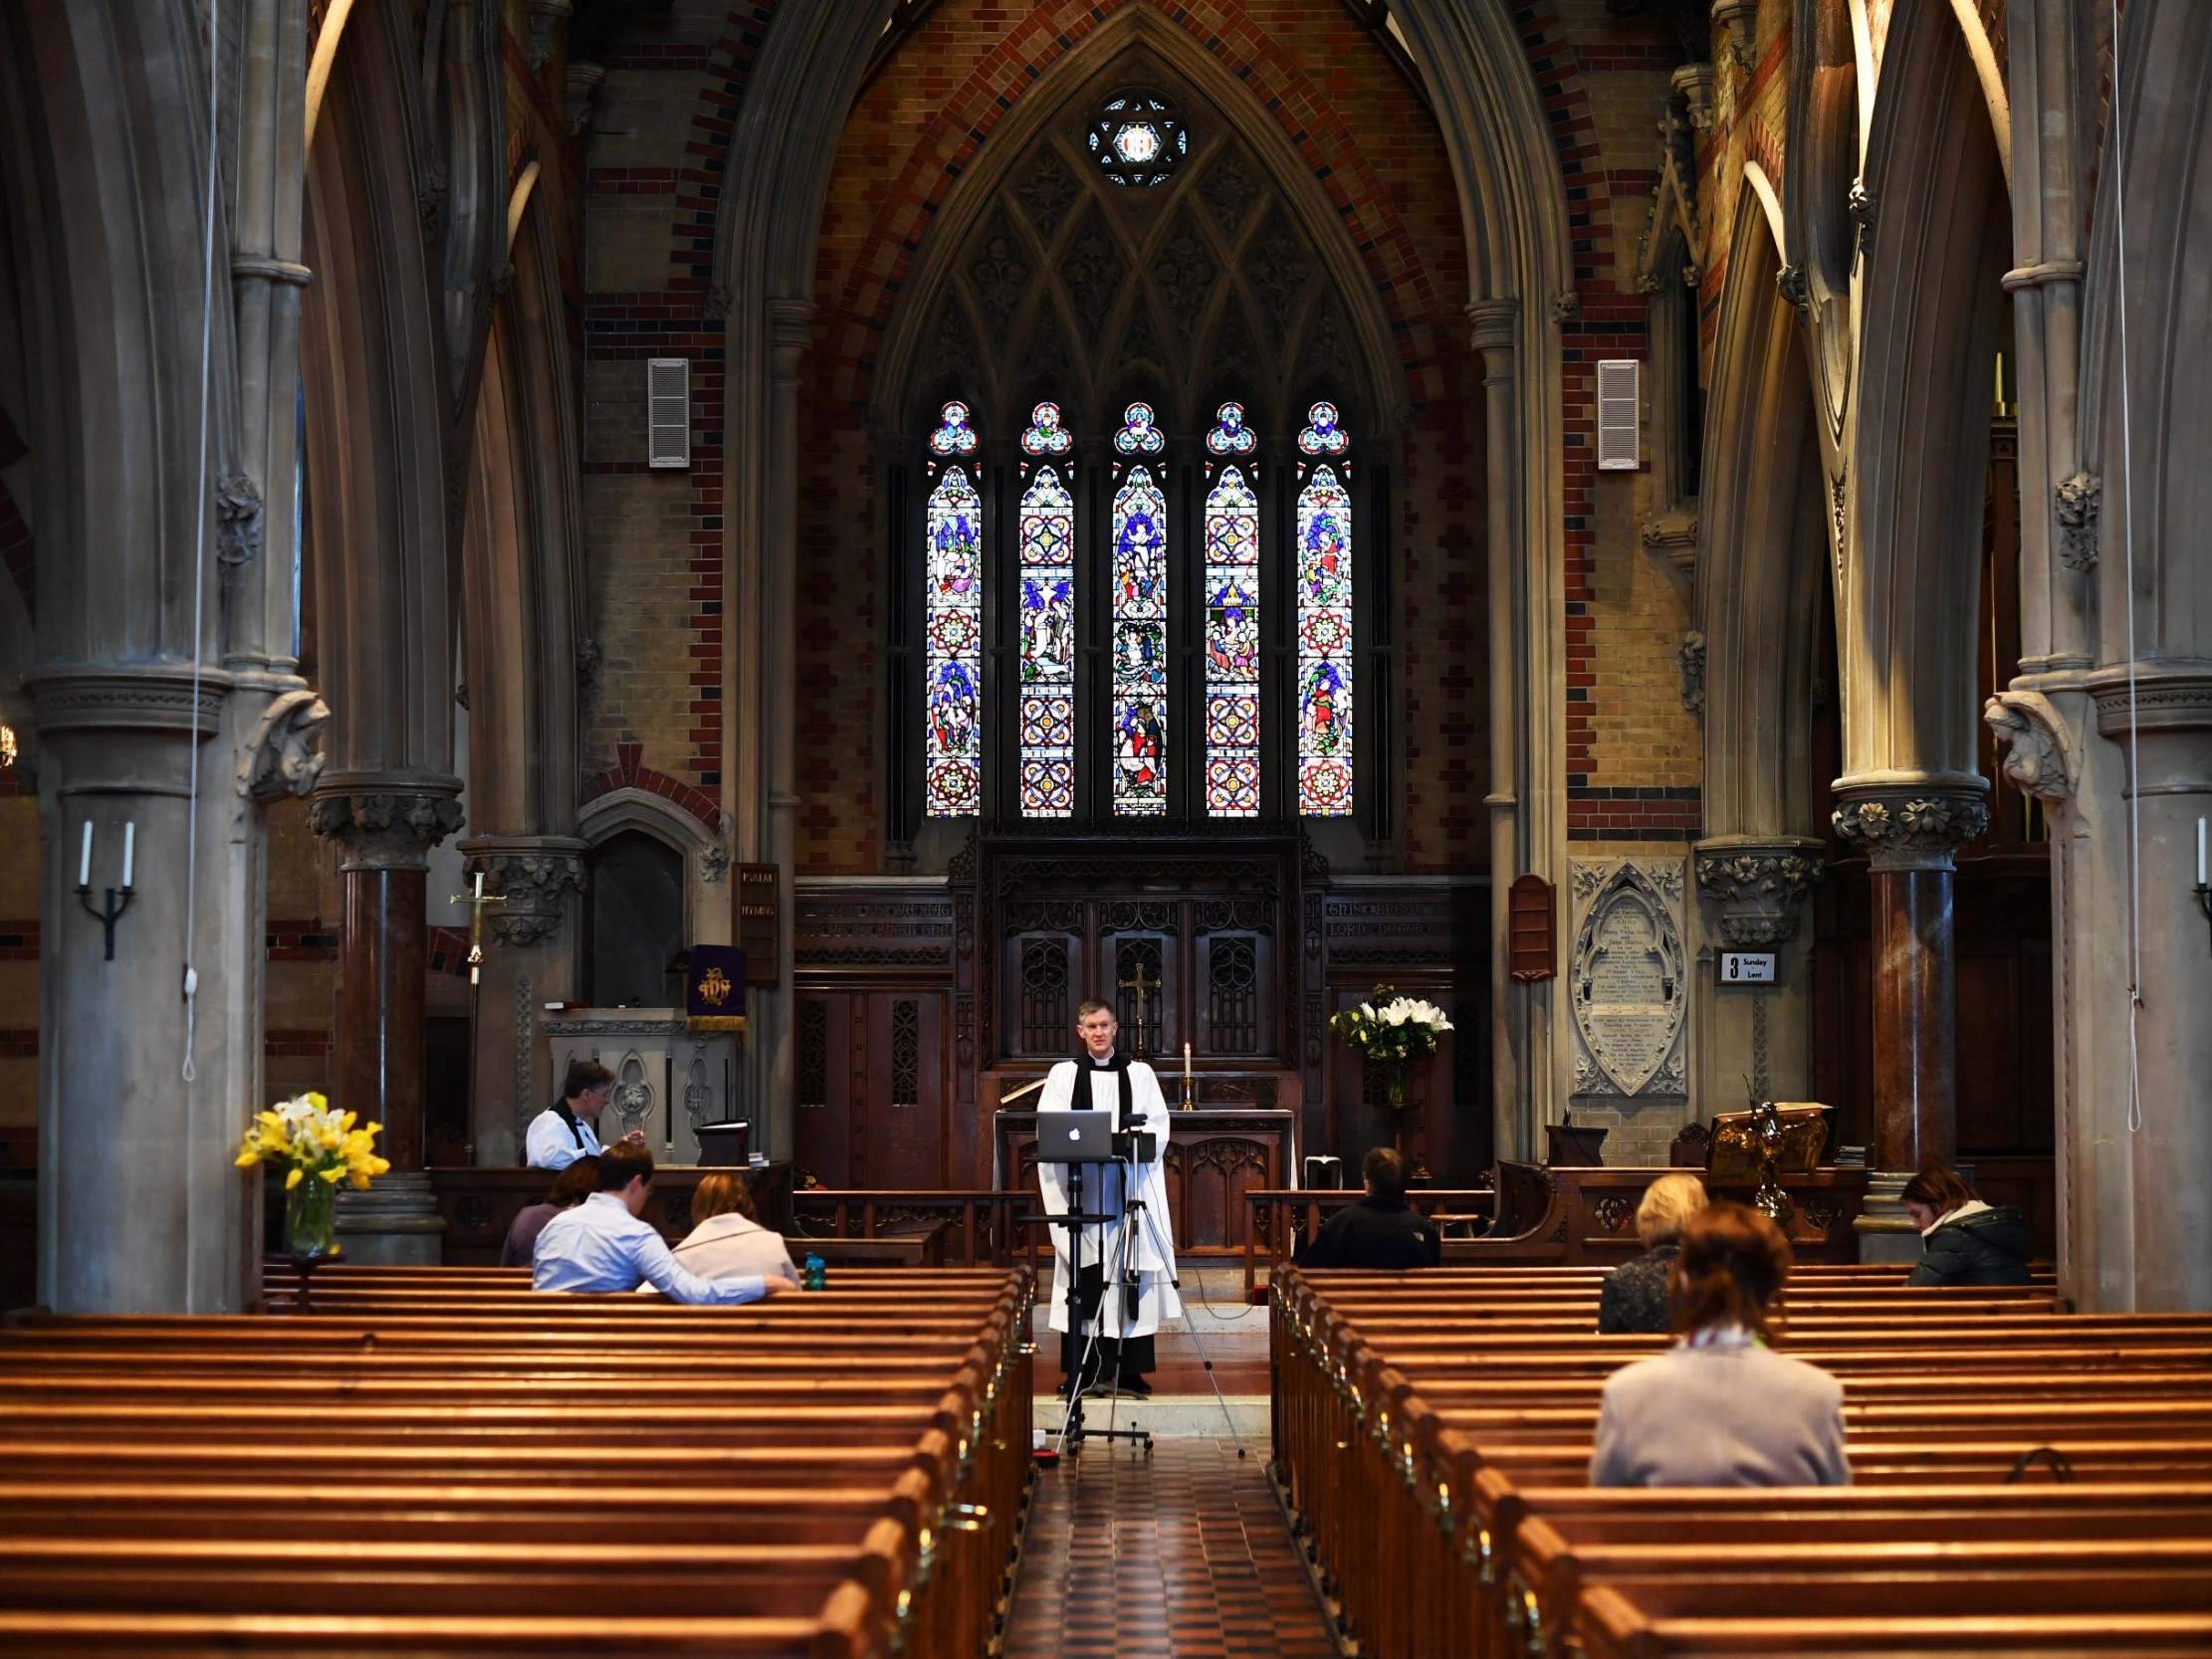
<point>1151,1239</point>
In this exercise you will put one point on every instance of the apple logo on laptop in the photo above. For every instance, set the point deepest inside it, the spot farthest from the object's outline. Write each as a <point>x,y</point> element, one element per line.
<point>1075,1135</point>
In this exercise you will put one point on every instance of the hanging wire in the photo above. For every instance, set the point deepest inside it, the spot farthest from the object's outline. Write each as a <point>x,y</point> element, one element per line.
<point>187,1070</point>
<point>2128,550</point>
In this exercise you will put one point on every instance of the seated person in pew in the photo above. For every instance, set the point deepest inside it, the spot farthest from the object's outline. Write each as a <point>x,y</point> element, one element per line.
<point>570,1128</point>
<point>1633,1299</point>
<point>728,1240</point>
<point>570,1188</point>
<point>604,1244</point>
<point>1722,1409</point>
<point>1381,1231</point>
<point>1964,1241</point>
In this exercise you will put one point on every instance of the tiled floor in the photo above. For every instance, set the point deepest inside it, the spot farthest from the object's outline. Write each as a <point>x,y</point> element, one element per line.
<point>1173,1557</point>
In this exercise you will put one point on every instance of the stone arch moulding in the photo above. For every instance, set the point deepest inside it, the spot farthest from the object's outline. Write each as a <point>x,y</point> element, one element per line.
<point>1936,243</point>
<point>1829,102</point>
<point>1135,30</point>
<point>706,858</point>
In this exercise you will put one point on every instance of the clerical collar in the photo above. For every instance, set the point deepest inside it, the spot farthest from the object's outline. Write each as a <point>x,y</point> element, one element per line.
<point>1094,1059</point>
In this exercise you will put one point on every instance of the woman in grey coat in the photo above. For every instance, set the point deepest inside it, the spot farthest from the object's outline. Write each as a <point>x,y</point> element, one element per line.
<point>1721,1408</point>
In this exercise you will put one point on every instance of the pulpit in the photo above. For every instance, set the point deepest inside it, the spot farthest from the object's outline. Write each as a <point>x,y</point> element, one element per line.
<point>669,1081</point>
<point>1214,1155</point>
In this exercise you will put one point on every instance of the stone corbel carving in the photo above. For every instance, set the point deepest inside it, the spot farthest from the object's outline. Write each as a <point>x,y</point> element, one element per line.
<point>2079,500</point>
<point>1913,826</point>
<point>430,194</point>
<point>1673,535</point>
<point>1689,659</point>
<point>1760,887</point>
<point>713,862</point>
<point>1861,202</point>
<point>1565,305</point>
<point>1789,282</point>
<point>546,17</point>
<point>1737,22</point>
<point>2040,757</point>
<point>589,660</point>
<point>278,758</point>
<point>238,518</point>
<point>716,307</point>
<point>1693,82</point>
<point>581,86</point>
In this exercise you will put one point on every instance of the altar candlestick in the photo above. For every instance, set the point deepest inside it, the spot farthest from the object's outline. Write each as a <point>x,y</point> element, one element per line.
<point>130,849</point>
<point>85,860</point>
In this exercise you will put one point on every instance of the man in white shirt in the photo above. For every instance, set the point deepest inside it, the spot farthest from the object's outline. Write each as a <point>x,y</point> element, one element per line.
<point>1128,1318</point>
<point>568,1129</point>
<point>604,1244</point>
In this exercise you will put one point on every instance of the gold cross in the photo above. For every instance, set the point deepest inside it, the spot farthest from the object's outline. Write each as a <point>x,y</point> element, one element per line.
<point>1144,989</point>
<point>475,923</point>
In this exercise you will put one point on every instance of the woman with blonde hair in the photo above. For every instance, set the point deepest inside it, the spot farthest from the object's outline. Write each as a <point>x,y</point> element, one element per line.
<point>1721,1408</point>
<point>727,1240</point>
<point>1634,1300</point>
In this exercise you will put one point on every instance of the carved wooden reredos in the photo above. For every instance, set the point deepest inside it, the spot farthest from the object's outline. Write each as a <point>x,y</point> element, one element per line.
<point>1226,279</point>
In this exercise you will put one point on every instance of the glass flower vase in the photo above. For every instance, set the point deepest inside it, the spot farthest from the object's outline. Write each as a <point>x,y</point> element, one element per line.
<point>310,1220</point>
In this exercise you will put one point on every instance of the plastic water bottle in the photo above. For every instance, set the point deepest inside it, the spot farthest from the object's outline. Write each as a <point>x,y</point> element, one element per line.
<point>815,1275</point>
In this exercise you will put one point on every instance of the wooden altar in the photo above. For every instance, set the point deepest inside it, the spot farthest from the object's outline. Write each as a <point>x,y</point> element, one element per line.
<point>1214,1155</point>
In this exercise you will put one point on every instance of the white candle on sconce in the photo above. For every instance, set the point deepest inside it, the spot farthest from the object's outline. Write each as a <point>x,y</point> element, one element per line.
<point>85,859</point>
<point>129,850</point>
<point>2200,851</point>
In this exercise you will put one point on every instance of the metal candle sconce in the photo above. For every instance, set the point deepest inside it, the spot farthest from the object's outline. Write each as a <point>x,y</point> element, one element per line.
<point>116,900</point>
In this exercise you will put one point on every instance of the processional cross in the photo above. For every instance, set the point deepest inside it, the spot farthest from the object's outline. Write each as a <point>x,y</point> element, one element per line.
<point>475,923</point>
<point>1144,989</point>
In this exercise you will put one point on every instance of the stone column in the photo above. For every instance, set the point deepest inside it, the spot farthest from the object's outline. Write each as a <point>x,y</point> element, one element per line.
<point>529,960</point>
<point>1493,323</point>
<point>385,824</point>
<point>1909,828</point>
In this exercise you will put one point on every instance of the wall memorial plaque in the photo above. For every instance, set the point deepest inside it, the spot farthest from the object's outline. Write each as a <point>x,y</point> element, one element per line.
<point>1628,979</point>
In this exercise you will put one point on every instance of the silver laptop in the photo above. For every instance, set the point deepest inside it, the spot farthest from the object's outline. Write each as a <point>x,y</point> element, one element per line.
<point>1075,1137</point>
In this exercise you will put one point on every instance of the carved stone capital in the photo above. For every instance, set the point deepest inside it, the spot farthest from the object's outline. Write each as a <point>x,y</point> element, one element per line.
<point>1760,886</point>
<point>1695,83</point>
<point>280,756</point>
<point>386,820</point>
<point>713,862</point>
<point>1912,823</point>
<point>1689,662</point>
<point>2165,697</point>
<point>1672,534</point>
<point>2077,501</point>
<point>1737,22</point>
<point>126,698</point>
<point>546,17</point>
<point>2040,756</point>
<point>532,876</point>
<point>1490,324</point>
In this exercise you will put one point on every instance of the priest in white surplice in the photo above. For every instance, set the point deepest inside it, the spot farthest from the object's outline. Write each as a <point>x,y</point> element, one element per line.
<point>1129,1316</point>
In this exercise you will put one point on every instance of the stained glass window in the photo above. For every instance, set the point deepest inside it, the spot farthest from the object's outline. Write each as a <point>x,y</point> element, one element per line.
<point>1139,642</point>
<point>1323,563</point>
<point>1137,139</point>
<point>1232,581</point>
<point>1047,612</point>
<point>952,625</point>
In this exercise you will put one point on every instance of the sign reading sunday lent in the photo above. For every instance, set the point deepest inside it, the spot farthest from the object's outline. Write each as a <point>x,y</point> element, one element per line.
<point>714,988</point>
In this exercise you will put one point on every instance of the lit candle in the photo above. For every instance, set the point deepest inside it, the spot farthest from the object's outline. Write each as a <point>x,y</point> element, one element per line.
<point>1185,1062</point>
<point>2200,849</point>
<point>85,859</point>
<point>129,850</point>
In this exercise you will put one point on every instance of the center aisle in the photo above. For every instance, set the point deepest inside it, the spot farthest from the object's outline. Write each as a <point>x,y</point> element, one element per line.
<point>1183,1553</point>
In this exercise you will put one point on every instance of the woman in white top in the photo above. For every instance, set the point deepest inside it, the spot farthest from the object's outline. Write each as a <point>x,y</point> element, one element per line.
<point>727,1240</point>
<point>1720,1407</point>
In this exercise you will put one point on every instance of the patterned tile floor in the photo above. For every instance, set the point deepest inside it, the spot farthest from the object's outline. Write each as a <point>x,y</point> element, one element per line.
<point>1178,1556</point>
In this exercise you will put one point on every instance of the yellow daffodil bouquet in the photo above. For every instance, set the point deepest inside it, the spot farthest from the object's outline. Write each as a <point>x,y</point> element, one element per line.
<point>319,1147</point>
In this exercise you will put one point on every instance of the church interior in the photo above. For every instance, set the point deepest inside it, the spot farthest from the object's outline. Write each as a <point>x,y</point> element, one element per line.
<point>1527,583</point>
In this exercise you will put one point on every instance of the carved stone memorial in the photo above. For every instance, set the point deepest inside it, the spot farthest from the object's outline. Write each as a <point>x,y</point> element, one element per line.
<point>1629,978</point>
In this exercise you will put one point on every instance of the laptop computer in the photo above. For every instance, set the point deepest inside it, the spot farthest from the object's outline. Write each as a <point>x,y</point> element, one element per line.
<point>1075,1137</point>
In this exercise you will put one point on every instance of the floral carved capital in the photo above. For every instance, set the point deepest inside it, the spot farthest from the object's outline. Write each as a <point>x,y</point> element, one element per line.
<point>1759,886</point>
<point>1911,827</point>
<point>391,826</point>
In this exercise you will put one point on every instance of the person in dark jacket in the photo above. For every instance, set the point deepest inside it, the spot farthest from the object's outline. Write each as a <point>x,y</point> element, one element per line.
<point>1381,1230</point>
<point>1966,1242</point>
<point>1633,1299</point>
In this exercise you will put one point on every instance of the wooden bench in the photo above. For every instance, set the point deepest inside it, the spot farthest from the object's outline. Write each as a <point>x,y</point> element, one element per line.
<point>819,1474</point>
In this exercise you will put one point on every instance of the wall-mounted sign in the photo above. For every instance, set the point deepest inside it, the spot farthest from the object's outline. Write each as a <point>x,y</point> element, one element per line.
<point>1747,967</point>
